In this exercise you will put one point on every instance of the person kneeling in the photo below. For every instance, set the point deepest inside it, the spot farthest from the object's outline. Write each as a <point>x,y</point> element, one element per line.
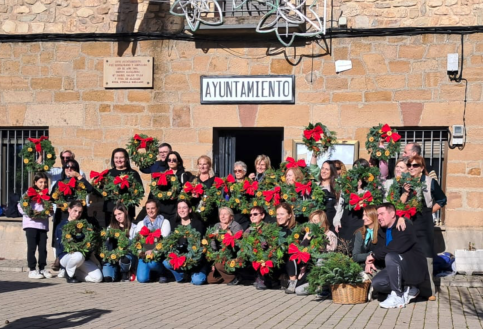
<point>405,262</point>
<point>77,266</point>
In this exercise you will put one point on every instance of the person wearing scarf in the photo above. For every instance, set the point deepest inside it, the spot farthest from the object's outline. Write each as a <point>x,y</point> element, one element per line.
<point>153,222</point>
<point>366,237</point>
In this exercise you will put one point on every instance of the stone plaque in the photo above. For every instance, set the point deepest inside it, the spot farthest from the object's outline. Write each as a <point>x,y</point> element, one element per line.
<point>128,72</point>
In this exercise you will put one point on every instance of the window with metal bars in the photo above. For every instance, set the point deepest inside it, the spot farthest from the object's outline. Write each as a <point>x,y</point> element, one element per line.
<point>14,178</point>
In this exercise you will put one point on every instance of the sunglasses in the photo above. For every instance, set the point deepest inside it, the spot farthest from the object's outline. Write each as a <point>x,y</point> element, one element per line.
<point>238,170</point>
<point>66,158</point>
<point>70,167</point>
<point>338,168</point>
<point>172,160</point>
<point>414,165</point>
<point>254,214</point>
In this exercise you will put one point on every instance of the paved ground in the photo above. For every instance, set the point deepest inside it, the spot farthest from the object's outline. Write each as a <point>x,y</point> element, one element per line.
<point>27,303</point>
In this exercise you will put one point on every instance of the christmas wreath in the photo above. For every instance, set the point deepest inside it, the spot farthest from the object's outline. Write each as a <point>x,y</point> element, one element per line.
<point>311,248</point>
<point>121,245</point>
<point>68,190</point>
<point>263,247</point>
<point>311,198</point>
<point>79,236</point>
<point>221,247</point>
<point>192,191</point>
<point>143,150</point>
<point>200,195</point>
<point>34,146</point>
<point>182,248</point>
<point>413,203</point>
<point>145,241</point>
<point>271,178</point>
<point>291,163</point>
<point>383,142</point>
<point>124,188</point>
<point>318,138</point>
<point>40,197</point>
<point>98,179</point>
<point>165,186</point>
<point>371,193</point>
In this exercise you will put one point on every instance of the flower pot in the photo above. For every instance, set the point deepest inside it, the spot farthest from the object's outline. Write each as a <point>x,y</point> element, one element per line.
<point>350,293</point>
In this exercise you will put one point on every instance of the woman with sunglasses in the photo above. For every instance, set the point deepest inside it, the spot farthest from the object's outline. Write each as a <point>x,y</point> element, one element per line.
<point>433,200</point>
<point>120,165</point>
<point>167,208</point>
<point>240,171</point>
<point>326,177</point>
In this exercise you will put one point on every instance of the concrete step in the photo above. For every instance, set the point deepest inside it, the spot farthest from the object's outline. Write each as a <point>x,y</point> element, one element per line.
<point>13,243</point>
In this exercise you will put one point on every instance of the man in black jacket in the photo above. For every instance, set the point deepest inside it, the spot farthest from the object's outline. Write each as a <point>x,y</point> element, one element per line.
<point>405,262</point>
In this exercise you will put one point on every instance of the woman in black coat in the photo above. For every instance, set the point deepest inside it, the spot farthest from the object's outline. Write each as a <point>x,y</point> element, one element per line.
<point>366,237</point>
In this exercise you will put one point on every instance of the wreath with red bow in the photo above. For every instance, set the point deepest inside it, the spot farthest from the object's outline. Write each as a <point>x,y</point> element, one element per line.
<point>143,150</point>
<point>147,240</point>
<point>310,198</point>
<point>310,249</point>
<point>69,189</point>
<point>318,138</point>
<point>124,188</point>
<point>34,146</point>
<point>221,247</point>
<point>79,236</point>
<point>41,197</point>
<point>202,196</point>
<point>413,203</point>
<point>383,135</point>
<point>183,248</point>
<point>263,246</point>
<point>371,193</point>
<point>165,186</point>
<point>113,256</point>
<point>292,163</point>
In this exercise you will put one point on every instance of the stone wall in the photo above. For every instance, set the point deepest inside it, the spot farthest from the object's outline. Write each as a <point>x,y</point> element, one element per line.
<point>115,16</point>
<point>401,81</point>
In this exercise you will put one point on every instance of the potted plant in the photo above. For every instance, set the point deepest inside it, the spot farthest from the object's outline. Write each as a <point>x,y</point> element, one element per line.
<point>343,275</point>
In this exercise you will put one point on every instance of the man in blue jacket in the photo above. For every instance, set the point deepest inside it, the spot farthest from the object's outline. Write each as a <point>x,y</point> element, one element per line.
<point>405,262</point>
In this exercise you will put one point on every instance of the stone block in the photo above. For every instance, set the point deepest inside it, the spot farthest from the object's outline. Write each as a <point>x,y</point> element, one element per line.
<point>176,82</point>
<point>347,97</point>
<point>327,114</point>
<point>68,96</point>
<point>54,115</point>
<point>161,121</point>
<point>457,168</point>
<point>181,135</point>
<point>46,83</point>
<point>95,134</point>
<point>336,83</point>
<point>317,97</point>
<point>375,63</point>
<point>128,108</point>
<point>96,49</point>
<point>205,136</point>
<point>215,116</point>
<point>281,66</point>
<point>31,70</point>
<point>411,113</point>
<point>98,96</point>
<point>283,115</point>
<point>87,80</point>
<point>159,108</point>
<point>10,96</point>
<point>455,200</point>
<point>16,114</point>
<point>411,51</point>
<point>378,96</point>
<point>248,114</point>
<point>390,81</point>
<point>360,115</point>
<point>13,83</point>
<point>181,66</point>
<point>111,120</point>
<point>464,182</point>
<point>138,96</point>
<point>399,66</point>
<point>413,95</point>
<point>181,116</point>
<point>474,200</point>
<point>43,97</point>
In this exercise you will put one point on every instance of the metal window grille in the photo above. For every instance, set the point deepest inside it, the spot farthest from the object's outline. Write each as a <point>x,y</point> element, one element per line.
<point>14,178</point>
<point>433,142</point>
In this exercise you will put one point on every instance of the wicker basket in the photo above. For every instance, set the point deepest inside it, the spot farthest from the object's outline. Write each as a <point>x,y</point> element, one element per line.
<point>350,293</point>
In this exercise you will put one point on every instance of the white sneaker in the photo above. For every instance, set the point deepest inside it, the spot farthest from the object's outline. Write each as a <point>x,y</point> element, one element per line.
<point>61,273</point>
<point>410,293</point>
<point>35,275</point>
<point>393,301</point>
<point>46,274</point>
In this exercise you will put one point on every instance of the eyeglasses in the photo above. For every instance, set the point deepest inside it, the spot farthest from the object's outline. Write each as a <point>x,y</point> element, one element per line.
<point>70,167</point>
<point>254,214</point>
<point>414,165</point>
<point>173,160</point>
<point>238,170</point>
<point>338,168</point>
<point>66,158</point>
<point>163,152</point>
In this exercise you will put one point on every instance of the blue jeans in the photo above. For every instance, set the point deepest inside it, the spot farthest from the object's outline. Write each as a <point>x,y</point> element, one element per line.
<point>144,270</point>
<point>114,270</point>
<point>197,278</point>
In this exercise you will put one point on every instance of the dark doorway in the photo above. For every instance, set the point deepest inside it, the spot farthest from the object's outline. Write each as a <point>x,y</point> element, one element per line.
<point>245,144</point>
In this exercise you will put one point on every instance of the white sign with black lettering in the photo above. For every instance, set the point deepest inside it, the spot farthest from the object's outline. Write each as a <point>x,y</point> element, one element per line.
<point>248,89</point>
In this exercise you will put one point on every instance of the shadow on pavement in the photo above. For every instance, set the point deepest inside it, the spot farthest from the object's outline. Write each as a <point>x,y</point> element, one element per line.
<point>9,286</point>
<point>58,320</point>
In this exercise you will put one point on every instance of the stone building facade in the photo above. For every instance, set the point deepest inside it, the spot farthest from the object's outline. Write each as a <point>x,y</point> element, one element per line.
<point>399,80</point>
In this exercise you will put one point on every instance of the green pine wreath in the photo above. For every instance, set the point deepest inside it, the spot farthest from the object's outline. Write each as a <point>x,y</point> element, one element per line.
<point>386,135</point>
<point>45,201</point>
<point>318,138</point>
<point>189,258</point>
<point>143,150</point>
<point>165,186</point>
<point>79,236</point>
<point>124,188</point>
<point>226,255</point>
<point>69,186</point>
<point>123,242</point>
<point>29,151</point>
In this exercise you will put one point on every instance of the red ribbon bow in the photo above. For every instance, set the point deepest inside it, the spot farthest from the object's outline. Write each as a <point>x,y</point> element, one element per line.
<point>360,202</point>
<point>143,141</point>
<point>66,189</point>
<point>195,190</point>
<point>229,240</point>
<point>292,164</point>
<point>250,188</point>
<point>303,188</point>
<point>223,183</point>
<point>163,177</point>
<point>389,135</point>
<point>176,261</point>
<point>275,195</point>
<point>38,196</point>
<point>263,266</point>
<point>98,176</point>
<point>37,142</point>
<point>406,213</point>
<point>123,180</point>
<point>299,256</point>
<point>150,235</point>
<point>314,133</point>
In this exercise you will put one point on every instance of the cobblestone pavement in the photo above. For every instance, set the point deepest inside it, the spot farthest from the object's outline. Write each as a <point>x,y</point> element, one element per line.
<point>52,303</point>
